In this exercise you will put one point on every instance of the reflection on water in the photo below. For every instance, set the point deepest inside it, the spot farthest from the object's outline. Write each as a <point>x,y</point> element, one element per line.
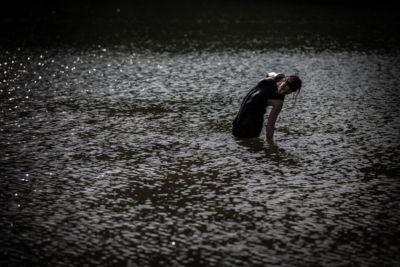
<point>119,157</point>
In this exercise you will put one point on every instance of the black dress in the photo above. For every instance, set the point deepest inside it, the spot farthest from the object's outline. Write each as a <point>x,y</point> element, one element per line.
<point>249,121</point>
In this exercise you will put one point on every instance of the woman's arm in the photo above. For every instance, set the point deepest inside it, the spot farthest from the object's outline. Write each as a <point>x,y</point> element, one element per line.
<point>273,115</point>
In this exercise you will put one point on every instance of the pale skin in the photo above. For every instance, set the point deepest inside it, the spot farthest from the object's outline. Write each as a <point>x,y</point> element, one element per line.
<point>276,104</point>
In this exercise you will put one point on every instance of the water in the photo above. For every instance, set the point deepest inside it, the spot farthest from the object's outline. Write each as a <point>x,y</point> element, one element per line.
<point>121,154</point>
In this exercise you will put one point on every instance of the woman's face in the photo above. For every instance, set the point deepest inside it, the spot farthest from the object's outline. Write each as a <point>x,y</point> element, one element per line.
<point>284,89</point>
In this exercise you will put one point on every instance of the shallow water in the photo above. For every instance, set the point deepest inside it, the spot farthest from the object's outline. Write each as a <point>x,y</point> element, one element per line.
<point>123,157</point>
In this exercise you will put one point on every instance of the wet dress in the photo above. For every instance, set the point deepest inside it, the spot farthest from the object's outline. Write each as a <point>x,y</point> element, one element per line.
<point>249,121</point>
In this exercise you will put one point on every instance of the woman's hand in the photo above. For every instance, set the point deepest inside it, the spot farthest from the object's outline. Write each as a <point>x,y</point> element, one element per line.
<point>274,74</point>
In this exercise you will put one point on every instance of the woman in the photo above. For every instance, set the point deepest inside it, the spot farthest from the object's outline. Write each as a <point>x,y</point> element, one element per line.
<point>270,91</point>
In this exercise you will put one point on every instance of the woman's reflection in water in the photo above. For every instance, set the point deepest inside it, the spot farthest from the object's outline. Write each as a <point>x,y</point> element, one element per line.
<point>269,148</point>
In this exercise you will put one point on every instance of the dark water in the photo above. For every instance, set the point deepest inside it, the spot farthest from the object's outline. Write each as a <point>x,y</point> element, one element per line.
<point>115,146</point>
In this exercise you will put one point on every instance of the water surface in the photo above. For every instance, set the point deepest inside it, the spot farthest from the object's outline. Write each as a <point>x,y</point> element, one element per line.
<point>122,155</point>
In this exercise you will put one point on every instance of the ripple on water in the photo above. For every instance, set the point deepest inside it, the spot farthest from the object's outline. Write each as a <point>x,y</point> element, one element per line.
<point>144,171</point>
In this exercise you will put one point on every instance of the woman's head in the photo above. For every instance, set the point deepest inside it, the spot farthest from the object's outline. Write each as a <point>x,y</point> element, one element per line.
<point>293,81</point>
<point>289,84</point>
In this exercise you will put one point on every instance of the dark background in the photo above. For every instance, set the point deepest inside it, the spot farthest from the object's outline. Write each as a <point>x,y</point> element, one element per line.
<point>179,26</point>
